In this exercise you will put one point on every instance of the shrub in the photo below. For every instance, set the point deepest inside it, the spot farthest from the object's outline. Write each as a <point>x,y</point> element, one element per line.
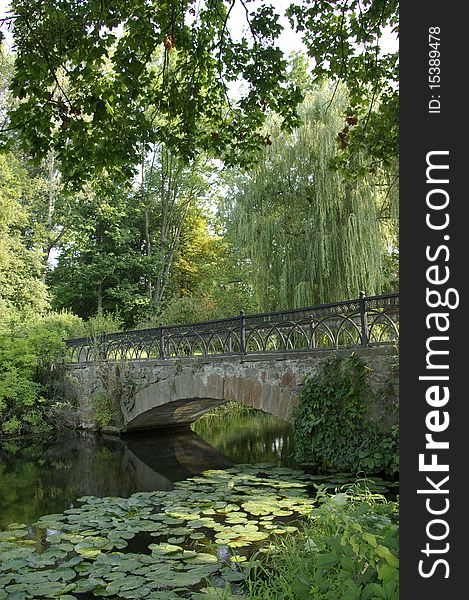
<point>103,323</point>
<point>187,310</point>
<point>348,549</point>
<point>332,425</point>
<point>27,349</point>
<point>106,410</point>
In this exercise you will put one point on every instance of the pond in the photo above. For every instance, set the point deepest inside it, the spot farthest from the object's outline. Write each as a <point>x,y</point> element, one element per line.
<point>159,515</point>
<point>47,476</point>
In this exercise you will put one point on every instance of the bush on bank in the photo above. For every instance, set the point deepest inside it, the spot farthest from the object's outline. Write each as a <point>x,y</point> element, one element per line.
<point>28,347</point>
<point>332,423</point>
<point>348,549</point>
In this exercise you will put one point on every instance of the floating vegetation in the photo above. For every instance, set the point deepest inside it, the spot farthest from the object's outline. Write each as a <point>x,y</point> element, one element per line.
<point>155,545</point>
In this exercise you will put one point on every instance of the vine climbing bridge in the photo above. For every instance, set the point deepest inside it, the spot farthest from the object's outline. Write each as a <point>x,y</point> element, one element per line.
<point>170,375</point>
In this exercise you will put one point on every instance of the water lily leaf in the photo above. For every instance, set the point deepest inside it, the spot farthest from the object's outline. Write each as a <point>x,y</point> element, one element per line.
<point>230,575</point>
<point>17,590</point>
<point>239,543</point>
<point>202,558</point>
<point>88,552</point>
<point>233,520</point>
<point>228,508</point>
<point>260,507</point>
<point>130,583</point>
<point>142,592</point>
<point>172,520</point>
<point>47,590</point>
<point>32,578</point>
<point>6,579</point>
<point>127,563</point>
<point>237,558</point>
<point>187,579</point>
<point>278,530</point>
<point>75,560</point>
<point>164,548</point>
<point>10,536</point>
<point>175,540</point>
<point>16,564</point>
<point>161,531</point>
<point>87,585</point>
<point>202,522</point>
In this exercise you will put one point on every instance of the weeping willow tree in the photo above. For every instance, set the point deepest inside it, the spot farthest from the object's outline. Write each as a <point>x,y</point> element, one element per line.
<point>310,233</point>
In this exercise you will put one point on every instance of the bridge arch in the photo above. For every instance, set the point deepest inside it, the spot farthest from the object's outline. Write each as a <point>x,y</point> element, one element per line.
<point>183,398</point>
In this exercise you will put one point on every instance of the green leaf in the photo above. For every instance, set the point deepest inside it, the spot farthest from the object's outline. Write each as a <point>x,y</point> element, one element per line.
<point>387,555</point>
<point>327,560</point>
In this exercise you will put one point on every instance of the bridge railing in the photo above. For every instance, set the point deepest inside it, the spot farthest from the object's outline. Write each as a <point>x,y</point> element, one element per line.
<point>366,321</point>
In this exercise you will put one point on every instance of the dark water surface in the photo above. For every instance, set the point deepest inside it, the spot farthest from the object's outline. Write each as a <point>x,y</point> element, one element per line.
<point>39,477</point>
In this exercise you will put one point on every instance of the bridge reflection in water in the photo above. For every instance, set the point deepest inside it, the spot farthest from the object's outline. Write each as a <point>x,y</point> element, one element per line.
<point>108,465</point>
<point>47,477</point>
<point>159,460</point>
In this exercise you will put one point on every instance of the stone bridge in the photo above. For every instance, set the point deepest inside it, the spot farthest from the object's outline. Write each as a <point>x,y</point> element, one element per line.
<point>158,393</point>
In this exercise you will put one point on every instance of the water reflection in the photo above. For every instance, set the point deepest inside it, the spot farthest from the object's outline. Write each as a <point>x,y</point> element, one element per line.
<point>249,438</point>
<point>40,477</point>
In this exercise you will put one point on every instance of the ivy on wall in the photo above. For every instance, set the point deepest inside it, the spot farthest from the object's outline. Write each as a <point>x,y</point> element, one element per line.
<point>332,422</point>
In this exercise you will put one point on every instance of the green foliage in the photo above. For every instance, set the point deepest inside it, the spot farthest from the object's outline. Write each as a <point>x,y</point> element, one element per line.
<point>309,234</point>
<point>97,96</point>
<point>20,266</point>
<point>208,281</point>
<point>98,81</point>
<point>27,349</point>
<point>105,409</point>
<point>100,266</point>
<point>332,424</point>
<point>129,251</point>
<point>186,310</point>
<point>344,42</point>
<point>348,550</point>
<point>175,218</point>
<point>102,323</point>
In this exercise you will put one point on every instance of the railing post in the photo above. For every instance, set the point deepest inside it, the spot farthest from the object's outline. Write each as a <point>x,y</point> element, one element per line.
<point>161,340</point>
<point>102,346</point>
<point>242,332</point>
<point>364,320</point>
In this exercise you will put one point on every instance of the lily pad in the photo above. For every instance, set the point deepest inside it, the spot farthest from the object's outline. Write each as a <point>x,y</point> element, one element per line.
<point>164,548</point>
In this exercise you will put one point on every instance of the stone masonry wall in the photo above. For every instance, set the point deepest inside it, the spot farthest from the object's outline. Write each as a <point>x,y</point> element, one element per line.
<point>161,393</point>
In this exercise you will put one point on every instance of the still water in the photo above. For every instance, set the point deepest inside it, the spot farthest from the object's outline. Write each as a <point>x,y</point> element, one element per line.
<point>39,477</point>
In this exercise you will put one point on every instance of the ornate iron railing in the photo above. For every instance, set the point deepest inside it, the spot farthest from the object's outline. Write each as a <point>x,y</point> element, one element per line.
<point>367,321</point>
